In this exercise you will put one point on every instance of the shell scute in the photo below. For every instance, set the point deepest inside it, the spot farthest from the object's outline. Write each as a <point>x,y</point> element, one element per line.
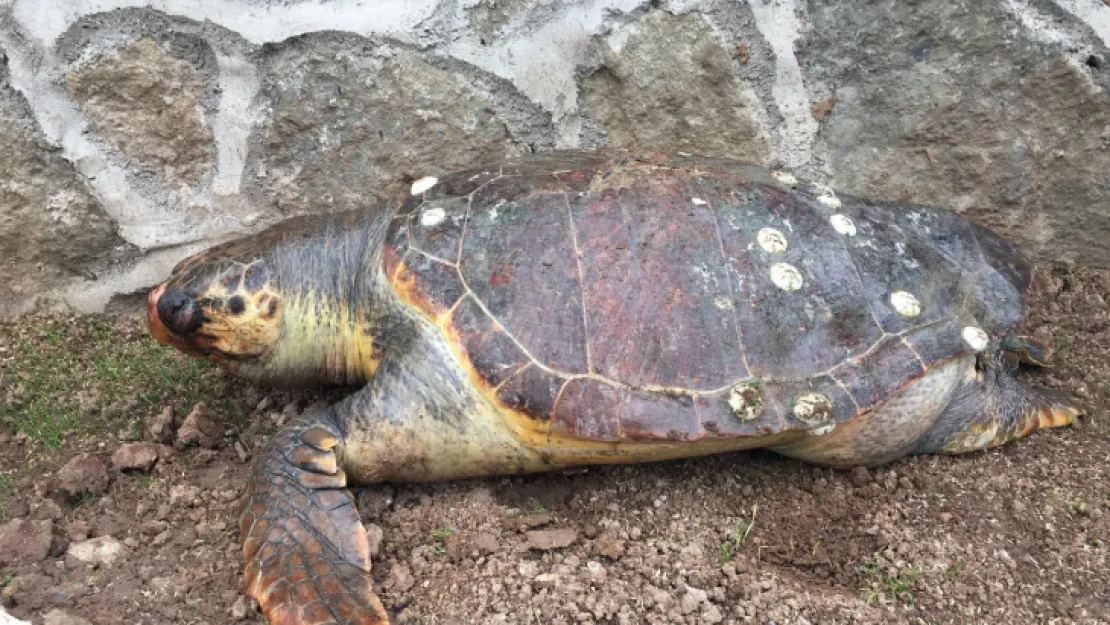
<point>519,260</point>
<point>939,342</point>
<point>890,365</point>
<point>655,416</point>
<point>435,228</point>
<point>532,391</point>
<point>792,333</point>
<point>493,353</point>
<point>417,269</point>
<point>889,259</point>
<point>658,300</point>
<point>588,408</point>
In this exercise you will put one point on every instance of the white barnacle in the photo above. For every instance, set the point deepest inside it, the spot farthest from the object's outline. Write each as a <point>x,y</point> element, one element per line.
<point>843,225</point>
<point>905,303</point>
<point>826,196</point>
<point>813,408</point>
<point>723,302</point>
<point>821,430</point>
<point>772,241</point>
<point>432,217</point>
<point>976,338</point>
<point>698,201</point>
<point>423,185</point>
<point>785,178</point>
<point>746,401</point>
<point>786,277</point>
<point>830,201</point>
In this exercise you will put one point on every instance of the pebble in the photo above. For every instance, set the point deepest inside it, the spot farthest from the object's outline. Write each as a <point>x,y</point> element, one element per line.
<point>551,539</point>
<point>240,608</point>
<point>58,617</point>
<point>77,531</point>
<point>693,598</point>
<point>528,521</point>
<point>8,619</point>
<point>861,477</point>
<point>374,537</point>
<point>200,428</point>
<point>84,474</point>
<point>610,546</point>
<point>711,614</point>
<point>159,428</point>
<point>23,541</point>
<point>135,457</point>
<point>100,551</point>
<point>400,578</point>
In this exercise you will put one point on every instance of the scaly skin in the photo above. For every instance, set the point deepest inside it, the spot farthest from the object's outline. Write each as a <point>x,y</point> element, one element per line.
<point>305,550</point>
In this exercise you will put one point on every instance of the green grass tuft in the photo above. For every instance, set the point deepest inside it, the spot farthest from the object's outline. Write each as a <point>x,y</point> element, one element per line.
<point>884,583</point>
<point>65,375</point>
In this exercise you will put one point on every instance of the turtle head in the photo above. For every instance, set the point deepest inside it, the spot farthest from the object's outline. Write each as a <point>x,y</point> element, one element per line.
<point>292,305</point>
<point>223,309</point>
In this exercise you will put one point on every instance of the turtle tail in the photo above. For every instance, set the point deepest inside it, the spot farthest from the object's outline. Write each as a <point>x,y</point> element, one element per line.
<point>992,408</point>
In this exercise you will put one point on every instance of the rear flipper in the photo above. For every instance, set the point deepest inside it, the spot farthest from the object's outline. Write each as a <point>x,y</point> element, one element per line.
<point>306,553</point>
<point>1025,350</point>
<point>993,408</point>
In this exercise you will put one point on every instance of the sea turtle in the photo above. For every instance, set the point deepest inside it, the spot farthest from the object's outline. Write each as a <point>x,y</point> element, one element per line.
<point>585,307</point>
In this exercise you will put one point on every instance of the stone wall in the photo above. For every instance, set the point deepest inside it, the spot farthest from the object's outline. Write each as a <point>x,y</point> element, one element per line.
<point>137,131</point>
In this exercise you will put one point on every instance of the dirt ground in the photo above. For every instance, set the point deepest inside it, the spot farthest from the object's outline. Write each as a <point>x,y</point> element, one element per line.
<point>1015,535</point>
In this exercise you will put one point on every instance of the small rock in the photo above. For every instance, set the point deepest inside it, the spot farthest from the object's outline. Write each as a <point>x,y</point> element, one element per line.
<point>46,509</point>
<point>85,474</point>
<point>861,477</point>
<point>486,543</point>
<point>528,521</point>
<point>400,578</point>
<point>374,537</point>
<point>610,546</point>
<point>57,617</point>
<point>711,614</point>
<point>99,551</point>
<point>159,428</point>
<point>17,508</point>
<point>242,452</point>
<point>265,403</point>
<point>184,495</point>
<point>200,428</point>
<point>135,457</point>
<point>551,539</point>
<point>241,608</point>
<point>693,598</point>
<point>23,541</point>
<point>77,531</point>
<point>596,571</point>
<point>528,568</point>
<point>8,619</point>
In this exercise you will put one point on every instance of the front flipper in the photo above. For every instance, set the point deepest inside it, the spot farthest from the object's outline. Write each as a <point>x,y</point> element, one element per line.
<point>992,408</point>
<point>306,553</point>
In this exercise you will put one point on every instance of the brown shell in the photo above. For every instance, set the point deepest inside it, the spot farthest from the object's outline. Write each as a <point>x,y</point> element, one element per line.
<point>626,297</point>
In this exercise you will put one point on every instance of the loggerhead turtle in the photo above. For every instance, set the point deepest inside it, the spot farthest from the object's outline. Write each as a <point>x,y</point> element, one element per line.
<point>579,308</point>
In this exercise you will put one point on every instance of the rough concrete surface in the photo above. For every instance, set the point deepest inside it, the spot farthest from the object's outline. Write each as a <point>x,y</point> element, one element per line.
<point>52,229</point>
<point>137,131</point>
<point>148,104</point>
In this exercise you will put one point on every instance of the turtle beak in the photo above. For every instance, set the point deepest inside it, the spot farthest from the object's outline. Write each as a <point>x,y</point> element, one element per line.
<point>157,328</point>
<point>172,316</point>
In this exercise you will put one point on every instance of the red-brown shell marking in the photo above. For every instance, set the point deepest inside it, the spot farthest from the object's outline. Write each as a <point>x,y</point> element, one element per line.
<point>682,298</point>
